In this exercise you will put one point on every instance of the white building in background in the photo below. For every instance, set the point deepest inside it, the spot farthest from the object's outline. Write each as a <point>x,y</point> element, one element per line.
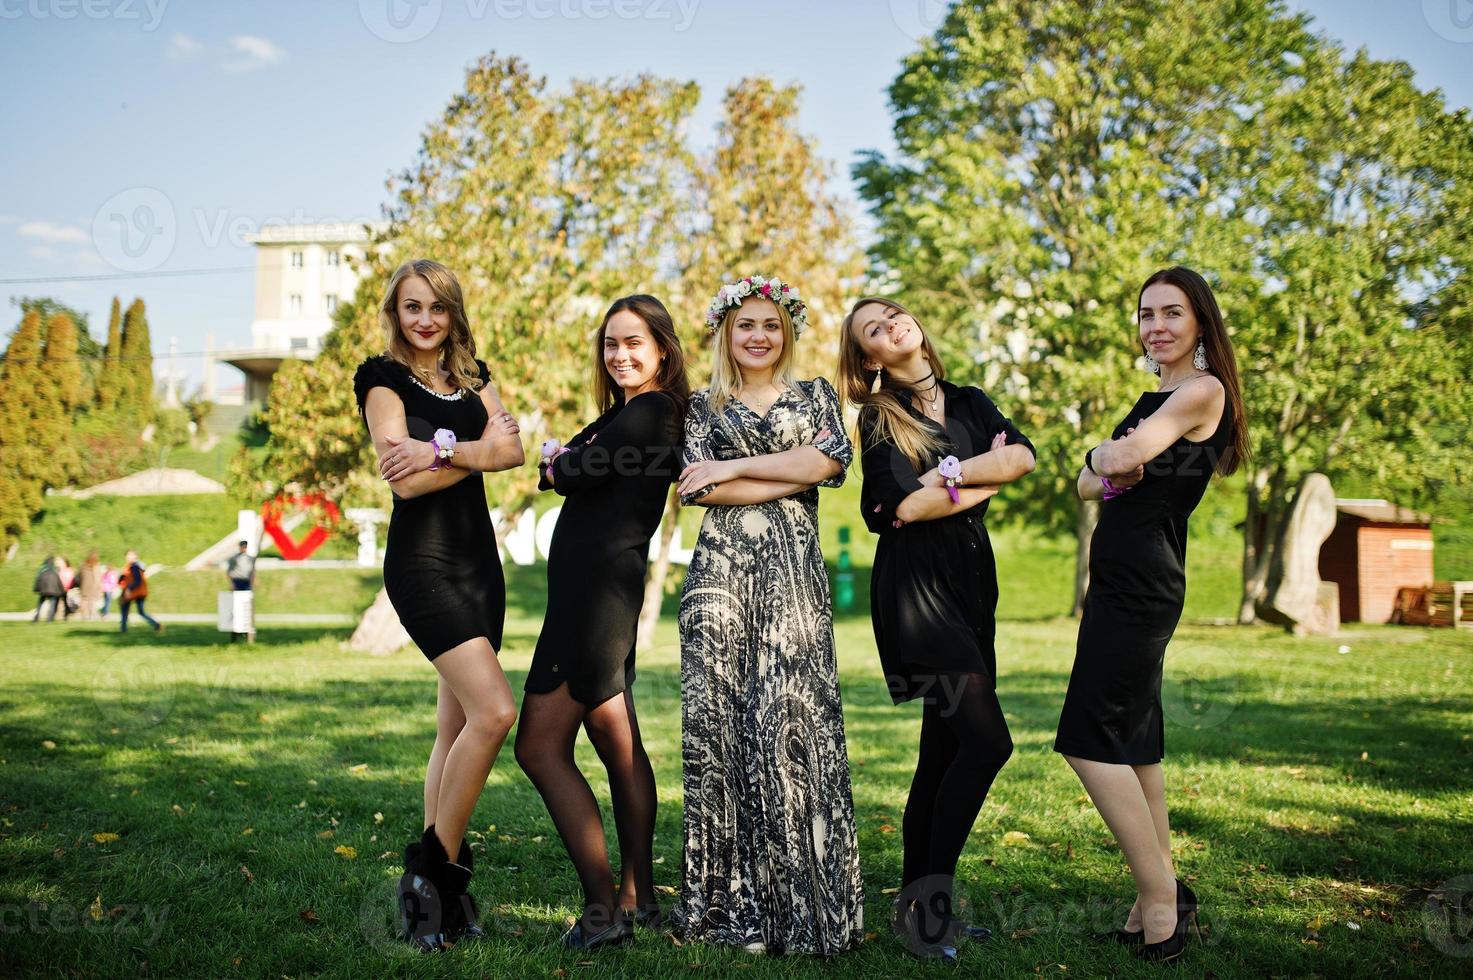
<point>302,273</point>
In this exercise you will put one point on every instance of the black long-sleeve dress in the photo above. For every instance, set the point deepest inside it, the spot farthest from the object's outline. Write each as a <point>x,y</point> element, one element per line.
<point>933,589</point>
<point>441,567</point>
<point>1137,585</point>
<point>615,488</point>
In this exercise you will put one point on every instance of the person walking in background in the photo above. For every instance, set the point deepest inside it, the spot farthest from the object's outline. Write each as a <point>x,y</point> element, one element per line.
<point>1149,476</point>
<point>48,589</point>
<point>241,569</point>
<point>109,578</point>
<point>89,583</point>
<point>135,589</point>
<point>71,596</point>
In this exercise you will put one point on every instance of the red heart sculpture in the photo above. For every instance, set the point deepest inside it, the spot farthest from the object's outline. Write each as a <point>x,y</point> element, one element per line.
<point>297,550</point>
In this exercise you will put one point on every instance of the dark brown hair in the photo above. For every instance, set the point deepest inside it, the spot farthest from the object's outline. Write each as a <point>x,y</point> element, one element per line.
<point>671,375</point>
<point>1220,358</point>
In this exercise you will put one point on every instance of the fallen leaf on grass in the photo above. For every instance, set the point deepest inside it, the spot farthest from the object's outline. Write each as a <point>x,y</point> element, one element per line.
<point>346,851</point>
<point>95,910</point>
<point>247,872</point>
<point>886,828</point>
<point>47,744</point>
<point>1015,838</point>
<point>378,818</point>
<point>324,835</point>
<point>106,837</point>
<point>360,767</point>
<point>248,832</point>
<point>179,810</point>
<point>665,889</point>
<point>308,916</point>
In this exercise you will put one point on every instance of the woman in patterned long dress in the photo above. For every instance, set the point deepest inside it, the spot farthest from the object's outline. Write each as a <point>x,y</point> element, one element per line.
<point>771,862</point>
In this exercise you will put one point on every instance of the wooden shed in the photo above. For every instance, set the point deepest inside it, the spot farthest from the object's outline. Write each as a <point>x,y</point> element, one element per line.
<point>1376,549</point>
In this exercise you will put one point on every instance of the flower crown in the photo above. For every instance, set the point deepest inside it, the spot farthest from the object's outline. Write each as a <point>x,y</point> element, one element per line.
<point>768,287</point>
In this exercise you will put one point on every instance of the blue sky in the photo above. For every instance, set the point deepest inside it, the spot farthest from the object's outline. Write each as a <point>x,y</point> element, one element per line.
<point>232,115</point>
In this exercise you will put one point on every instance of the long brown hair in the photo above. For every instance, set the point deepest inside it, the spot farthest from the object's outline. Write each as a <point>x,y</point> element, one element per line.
<point>1220,358</point>
<point>458,351</point>
<point>671,375</point>
<point>889,408</point>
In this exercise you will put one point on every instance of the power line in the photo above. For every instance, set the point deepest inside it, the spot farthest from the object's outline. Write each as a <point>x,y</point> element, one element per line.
<point>161,274</point>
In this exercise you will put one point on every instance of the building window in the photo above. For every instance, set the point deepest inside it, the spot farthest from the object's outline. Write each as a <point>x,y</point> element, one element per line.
<point>332,300</point>
<point>332,257</point>
<point>300,343</point>
<point>295,302</point>
<point>296,260</point>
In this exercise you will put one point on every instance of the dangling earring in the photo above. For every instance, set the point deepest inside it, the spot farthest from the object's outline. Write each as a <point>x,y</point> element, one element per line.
<point>879,376</point>
<point>1151,365</point>
<point>1199,359</point>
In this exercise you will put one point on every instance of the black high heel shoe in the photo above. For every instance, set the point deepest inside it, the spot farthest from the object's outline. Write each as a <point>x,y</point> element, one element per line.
<point>1174,945</point>
<point>916,939</point>
<point>647,917</point>
<point>617,933</point>
<point>465,918</point>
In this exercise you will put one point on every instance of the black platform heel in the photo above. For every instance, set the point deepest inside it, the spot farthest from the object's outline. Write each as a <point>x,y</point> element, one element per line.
<point>617,933</point>
<point>917,937</point>
<point>420,913</point>
<point>1174,945</point>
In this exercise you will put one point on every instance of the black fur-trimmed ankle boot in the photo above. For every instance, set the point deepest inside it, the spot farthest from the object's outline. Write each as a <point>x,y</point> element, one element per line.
<point>422,895</point>
<point>465,917</point>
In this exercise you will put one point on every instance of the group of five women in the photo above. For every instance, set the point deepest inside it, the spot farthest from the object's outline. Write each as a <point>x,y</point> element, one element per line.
<point>771,861</point>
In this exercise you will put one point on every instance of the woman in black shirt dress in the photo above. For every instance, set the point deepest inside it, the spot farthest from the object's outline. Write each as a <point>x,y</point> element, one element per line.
<point>933,589</point>
<point>1149,477</point>
<point>615,476</point>
<point>441,568</point>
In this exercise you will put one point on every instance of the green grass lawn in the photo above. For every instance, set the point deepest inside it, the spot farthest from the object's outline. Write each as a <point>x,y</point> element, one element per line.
<point>1317,796</point>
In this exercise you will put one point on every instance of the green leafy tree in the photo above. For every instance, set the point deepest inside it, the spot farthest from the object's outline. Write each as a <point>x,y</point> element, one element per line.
<point>135,392</point>
<point>59,390</point>
<point>110,375</point>
<point>24,462</point>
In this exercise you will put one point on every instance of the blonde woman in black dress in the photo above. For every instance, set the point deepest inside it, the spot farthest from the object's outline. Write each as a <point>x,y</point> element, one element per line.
<point>614,476</point>
<point>933,590</point>
<point>437,423</point>
<point>1149,477</point>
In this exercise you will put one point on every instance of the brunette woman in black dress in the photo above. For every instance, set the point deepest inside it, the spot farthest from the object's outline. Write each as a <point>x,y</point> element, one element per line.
<point>437,424</point>
<point>933,590</point>
<point>615,476</point>
<point>1149,477</point>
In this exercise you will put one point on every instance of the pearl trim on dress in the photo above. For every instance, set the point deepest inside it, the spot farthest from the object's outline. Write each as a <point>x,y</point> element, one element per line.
<point>438,394</point>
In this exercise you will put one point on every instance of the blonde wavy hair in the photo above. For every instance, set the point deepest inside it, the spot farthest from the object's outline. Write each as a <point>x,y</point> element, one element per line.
<point>887,409</point>
<point>726,374</point>
<point>458,351</point>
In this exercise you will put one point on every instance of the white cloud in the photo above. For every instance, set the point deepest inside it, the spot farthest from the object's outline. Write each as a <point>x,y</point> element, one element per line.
<point>54,234</point>
<point>182,47</point>
<point>255,52</point>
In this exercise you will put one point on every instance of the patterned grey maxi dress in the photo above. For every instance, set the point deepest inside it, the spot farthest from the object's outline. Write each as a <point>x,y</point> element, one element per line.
<point>770,852</point>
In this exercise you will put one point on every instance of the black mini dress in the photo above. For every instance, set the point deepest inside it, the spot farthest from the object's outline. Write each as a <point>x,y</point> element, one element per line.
<point>615,486</point>
<point>933,589</point>
<point>441,567</point>
<point>1137,585</point>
